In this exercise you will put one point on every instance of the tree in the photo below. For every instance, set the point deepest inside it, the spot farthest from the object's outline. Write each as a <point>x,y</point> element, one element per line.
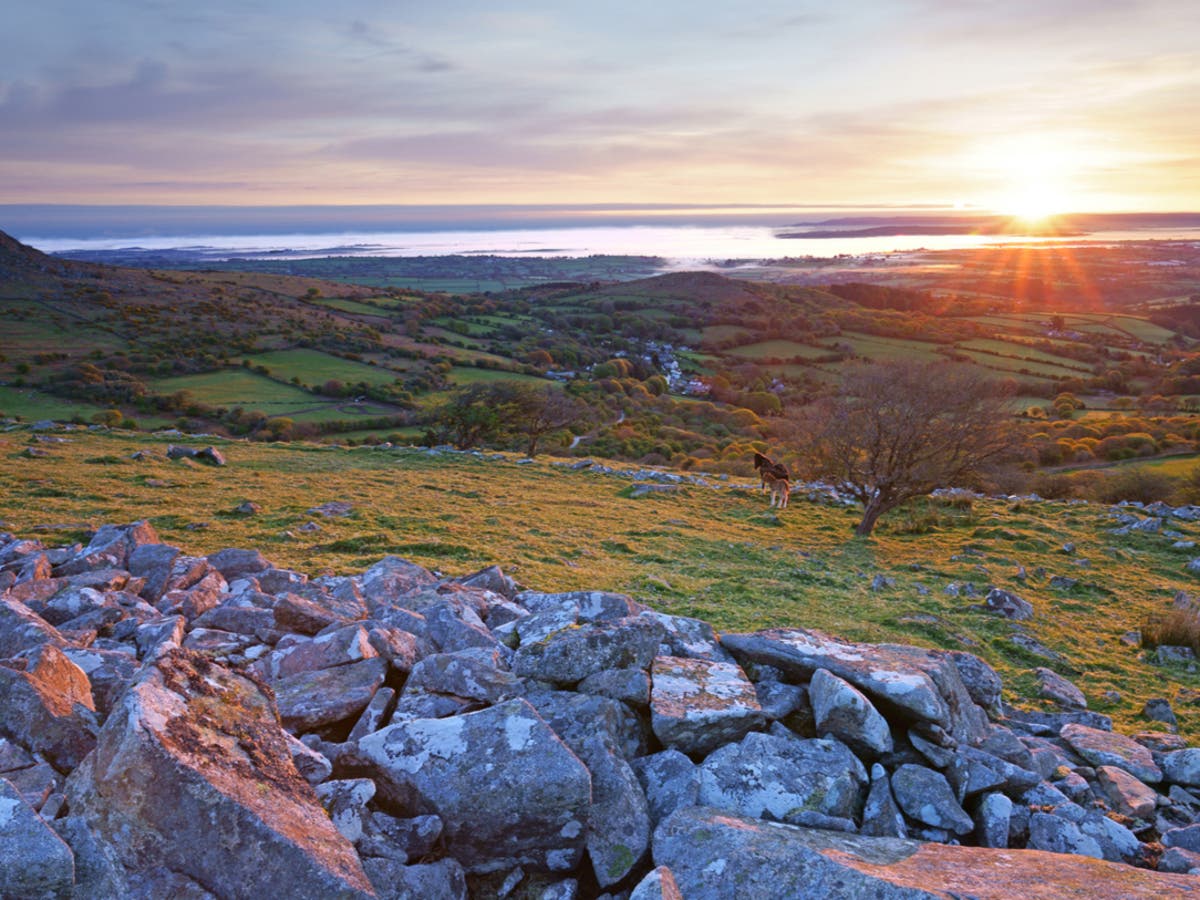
<point>542,410</point>
<point>900,430</point>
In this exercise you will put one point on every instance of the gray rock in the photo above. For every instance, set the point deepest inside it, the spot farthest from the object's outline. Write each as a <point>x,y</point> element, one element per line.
<point>463,674</point>
<point>992,820</point>
<point>779,699</point>
<point>48,707</point>
<point>386,582</point>
<point>689,638</point>
<point>1182,767</point>
<point>670,781</point>
<point>192,773</point>
<point>915,684</point>
<point>1176,859</point>
<point>1125,794</point>
<point>1116,842</point>
<point>1059,835</point>
<point>981,680</point>
<point>1186,838</point>
<point>773,777</point>
<point>569,656</point>
<point>619,819</point>
<point>312,700</point>
<point>881,816</point>
<point>843,712</point>
<point>98,870</point>
<point>659,884</point>
<point>154,563</point>
<point>1102,748</point>
<point>697,705</point>
<point>528,807</point>
<point>749,858</point>
<point>630,686</point>
<point>34,861</point>
<point>401,839</point>
<point>21,629</point>
<point>314,611</point>
<point>576,718</point>
<point>1054,687</point>
<point>1007,604</point>
<point>234,563</point>
<point>1158,709</point>
<point>441,880</point>
<point>927,797</point>
<point>346,802</point>
<point>314,767</point>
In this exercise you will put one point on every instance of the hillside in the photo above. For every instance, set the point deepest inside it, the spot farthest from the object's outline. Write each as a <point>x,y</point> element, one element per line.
<point>691,545</point>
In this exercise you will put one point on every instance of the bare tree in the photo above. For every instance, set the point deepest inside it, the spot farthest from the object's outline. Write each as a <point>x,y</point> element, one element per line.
<point>900,430</point>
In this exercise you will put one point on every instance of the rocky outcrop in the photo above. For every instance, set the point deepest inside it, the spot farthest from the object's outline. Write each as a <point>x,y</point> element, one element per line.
<point>221,727</point>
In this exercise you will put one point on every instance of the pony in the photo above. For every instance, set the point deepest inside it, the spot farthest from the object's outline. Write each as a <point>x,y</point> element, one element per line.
<point>780,491</point>
<point>769,471</point>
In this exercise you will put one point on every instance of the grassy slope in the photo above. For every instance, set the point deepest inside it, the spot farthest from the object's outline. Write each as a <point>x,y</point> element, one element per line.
<point>717,553</point>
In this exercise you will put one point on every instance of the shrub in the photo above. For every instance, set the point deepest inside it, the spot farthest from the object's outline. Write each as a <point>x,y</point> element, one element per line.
<point>1140,484</point>
<point>1177,628</point>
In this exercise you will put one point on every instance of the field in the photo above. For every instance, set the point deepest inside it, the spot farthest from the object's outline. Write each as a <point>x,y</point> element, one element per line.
<point>315,368</point>
<point>714,551</point>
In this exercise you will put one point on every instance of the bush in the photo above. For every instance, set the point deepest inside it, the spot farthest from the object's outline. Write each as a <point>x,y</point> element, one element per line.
<point>1177,628</point>
<point>1139,484</point>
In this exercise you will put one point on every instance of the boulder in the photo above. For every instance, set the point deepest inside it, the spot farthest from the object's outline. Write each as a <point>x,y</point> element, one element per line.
<point>697,705</point>
<point>296,655</point>
<point>443,880</point>
<point>192,773</point>
<point>34,861</point>
<point>233,563</point>
<point>981,680</point>
<point>109,547</point>
<point>1054,687</point>
<point>881,816</point>
<point>463,674</point>
<point>1104,748</point>
<point>619,819</point>
<point>926,796</point>
<point>908,682</point>
<point>570,655</point>
<point>689,638</point>
<point>22,629</point>
<point>785,779</point>
<point>401,839</point>
<point>312,700</point>
<point>386,582</point>
<point>1125,794</point>
<point>992,821</point>
<point>843,712</point>
<point>1007,604</point>
<point>1182,766</point>
<point>659,884</point>
<point>48,707</point>
<point>670,781</point>
<point>630,686</point>
<point>1059,835</point>
<point>749,858</point>
<point>528,806</point>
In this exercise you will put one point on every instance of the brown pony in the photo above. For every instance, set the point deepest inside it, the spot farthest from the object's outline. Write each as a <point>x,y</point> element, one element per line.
<point>769,471</point>
<point>780,491</point>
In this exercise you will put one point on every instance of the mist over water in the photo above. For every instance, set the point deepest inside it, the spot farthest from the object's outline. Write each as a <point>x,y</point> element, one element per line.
<point>681,237</point>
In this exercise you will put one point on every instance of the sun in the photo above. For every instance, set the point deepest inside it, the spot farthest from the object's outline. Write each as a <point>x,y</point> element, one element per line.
<point>1031,177</point>
<point>1033,203</point>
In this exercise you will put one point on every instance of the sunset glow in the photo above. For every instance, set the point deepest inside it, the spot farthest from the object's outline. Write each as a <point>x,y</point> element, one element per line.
<point>1027,107</point>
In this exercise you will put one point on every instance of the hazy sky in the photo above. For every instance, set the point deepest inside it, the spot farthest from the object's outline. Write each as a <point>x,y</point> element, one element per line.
<point>1094,104</point>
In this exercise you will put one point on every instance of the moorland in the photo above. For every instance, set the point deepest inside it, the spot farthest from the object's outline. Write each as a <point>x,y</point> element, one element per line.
<point>682,376</point>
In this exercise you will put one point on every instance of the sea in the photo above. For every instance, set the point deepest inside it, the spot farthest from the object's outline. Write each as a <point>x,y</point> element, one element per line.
<point>707,238</point>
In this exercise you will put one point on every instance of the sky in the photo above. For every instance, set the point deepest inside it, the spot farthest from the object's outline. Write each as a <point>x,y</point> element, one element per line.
<point>1026,105</point>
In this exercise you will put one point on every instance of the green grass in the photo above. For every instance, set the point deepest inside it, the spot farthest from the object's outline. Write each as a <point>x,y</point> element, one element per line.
<point>716,553</point>
<point>314,367</point>
<point>460,375</point>
<point>237,387</point>
<point>780,349</point>
<point>356,307</point>
<point>31,405</point>
<point>879,349</point>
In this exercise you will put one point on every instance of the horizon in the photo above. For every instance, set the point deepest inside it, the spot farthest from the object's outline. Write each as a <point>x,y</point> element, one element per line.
<point>1031,109</point>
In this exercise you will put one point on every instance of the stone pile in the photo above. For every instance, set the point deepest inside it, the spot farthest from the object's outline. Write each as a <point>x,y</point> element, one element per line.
<point>218,726</point>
